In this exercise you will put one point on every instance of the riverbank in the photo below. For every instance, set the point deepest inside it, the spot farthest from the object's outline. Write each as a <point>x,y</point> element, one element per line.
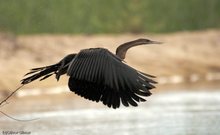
<point>183,57</point>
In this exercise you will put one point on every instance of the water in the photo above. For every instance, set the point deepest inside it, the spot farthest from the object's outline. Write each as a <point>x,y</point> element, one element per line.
<point>179,113</point>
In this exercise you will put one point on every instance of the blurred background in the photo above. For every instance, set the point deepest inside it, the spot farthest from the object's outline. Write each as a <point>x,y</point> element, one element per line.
<point>187,65</point>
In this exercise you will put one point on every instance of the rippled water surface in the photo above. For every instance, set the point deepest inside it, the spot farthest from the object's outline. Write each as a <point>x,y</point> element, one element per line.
<point>179,113</point>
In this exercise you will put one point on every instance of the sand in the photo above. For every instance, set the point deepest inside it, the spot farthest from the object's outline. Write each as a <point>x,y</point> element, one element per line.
<point>183,54</point>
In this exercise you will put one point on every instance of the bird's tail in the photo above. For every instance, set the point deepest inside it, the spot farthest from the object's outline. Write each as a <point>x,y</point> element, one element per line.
<point>44,72</point>
<point>41,72</point>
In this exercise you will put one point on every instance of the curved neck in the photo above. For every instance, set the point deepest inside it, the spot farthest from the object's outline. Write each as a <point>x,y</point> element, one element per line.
<point>122,49</point>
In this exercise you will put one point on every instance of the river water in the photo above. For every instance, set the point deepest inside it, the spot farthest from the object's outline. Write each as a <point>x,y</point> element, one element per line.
<point>172,113</point>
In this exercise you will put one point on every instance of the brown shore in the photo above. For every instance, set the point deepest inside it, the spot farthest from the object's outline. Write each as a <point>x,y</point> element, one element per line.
<point>181,54</point>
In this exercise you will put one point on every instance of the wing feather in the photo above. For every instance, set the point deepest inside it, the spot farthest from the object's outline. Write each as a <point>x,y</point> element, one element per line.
<point>92,69</point>
<point>98,75</point>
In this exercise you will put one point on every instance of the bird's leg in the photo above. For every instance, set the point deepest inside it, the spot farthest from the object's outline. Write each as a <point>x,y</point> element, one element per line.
<point>61,71</point>
<point>58,72</point>
<point>64,65</point>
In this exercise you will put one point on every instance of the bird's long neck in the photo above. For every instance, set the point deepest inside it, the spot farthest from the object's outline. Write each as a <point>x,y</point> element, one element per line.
<point>122,49</point>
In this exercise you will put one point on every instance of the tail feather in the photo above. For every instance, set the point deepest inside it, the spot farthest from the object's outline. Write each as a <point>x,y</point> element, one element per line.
<point>44,72</point>
<point>40,68</point>
<point>46,76</point>
<point>59,69</point>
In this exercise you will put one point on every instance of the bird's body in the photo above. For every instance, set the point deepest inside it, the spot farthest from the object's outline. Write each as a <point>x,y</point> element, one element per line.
<point>99,75</point>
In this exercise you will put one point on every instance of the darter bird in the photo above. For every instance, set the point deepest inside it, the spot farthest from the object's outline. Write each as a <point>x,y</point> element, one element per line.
<point>99,75</point>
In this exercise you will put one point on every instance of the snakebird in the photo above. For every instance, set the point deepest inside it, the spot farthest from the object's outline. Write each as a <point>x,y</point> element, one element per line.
<point>99,75</point>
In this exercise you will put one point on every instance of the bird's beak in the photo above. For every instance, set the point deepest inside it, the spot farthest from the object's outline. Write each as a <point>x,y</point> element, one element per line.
<point>155,42</point>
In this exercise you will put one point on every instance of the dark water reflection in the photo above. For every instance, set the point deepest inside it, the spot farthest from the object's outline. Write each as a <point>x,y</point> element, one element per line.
<point>179,113</point>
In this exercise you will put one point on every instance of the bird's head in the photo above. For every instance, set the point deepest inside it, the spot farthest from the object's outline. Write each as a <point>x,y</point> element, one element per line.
<point>143,41</point>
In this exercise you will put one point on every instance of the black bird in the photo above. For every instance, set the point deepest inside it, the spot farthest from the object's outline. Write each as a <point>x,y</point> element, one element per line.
<point>99,75</point>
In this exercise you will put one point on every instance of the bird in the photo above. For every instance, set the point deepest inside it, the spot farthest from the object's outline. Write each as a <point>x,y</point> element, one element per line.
<point>101,76</point>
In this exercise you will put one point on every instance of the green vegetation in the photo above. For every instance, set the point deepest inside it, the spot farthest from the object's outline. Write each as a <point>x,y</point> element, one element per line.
<point>113,16</point>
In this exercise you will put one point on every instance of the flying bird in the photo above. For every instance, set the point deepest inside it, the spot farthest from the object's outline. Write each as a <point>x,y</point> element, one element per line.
<point>99,75</point>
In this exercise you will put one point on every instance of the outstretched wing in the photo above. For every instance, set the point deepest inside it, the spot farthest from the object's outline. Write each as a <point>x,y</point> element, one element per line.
<point>99,75</point>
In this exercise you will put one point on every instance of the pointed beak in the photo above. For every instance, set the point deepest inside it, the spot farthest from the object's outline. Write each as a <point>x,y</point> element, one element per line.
<point>155,42</point>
